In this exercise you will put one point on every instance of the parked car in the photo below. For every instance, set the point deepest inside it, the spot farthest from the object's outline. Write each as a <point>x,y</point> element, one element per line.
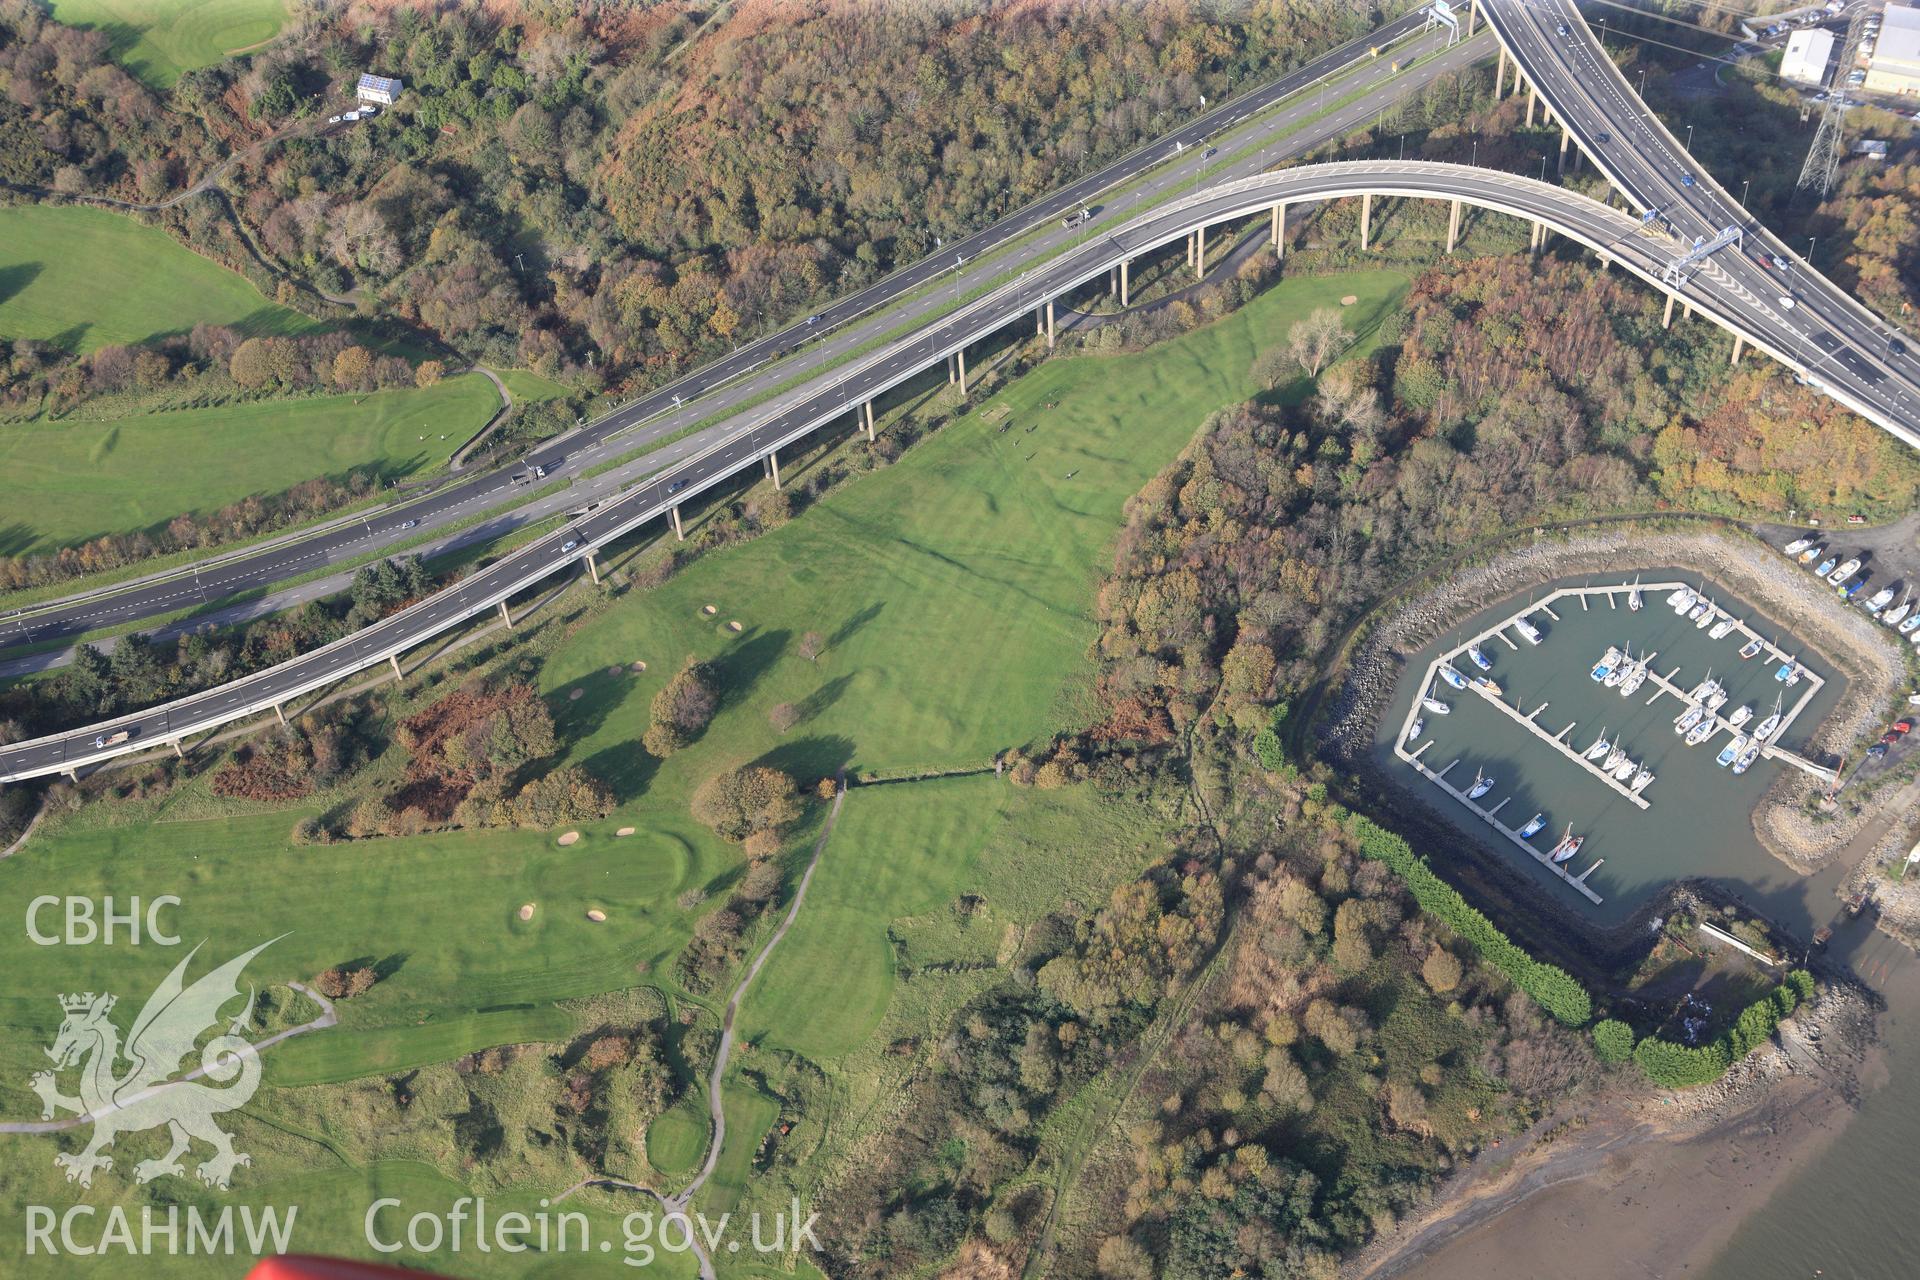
<point>1877,750</point>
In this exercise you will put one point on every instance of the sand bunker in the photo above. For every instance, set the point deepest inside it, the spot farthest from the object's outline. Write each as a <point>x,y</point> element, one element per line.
<point>615,669</point>
<point>624,831</point>
<point>1350,299</point>
<point>709,608</point>
<point>526,912</point>
<point>572,837</point>
<point>574,695</point>
<point>597,916</point>
<point>733,626</point>
<point>639,665</point>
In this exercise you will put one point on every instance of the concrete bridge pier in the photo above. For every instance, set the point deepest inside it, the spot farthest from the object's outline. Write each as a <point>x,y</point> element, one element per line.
<point>950,378</point>
<point>1189,248</point>
<point>1280,229</point>
<point>1049,324</point>
<point>1565,136</point>
<point>1739,345</point>
<point>593,569</point>
<point>773,467</point>
<point>679,533</point>
<point>869,416</point>
<point>177,751</point>
<point>959,363</point>
<point>1538,239</point>
<point>1366,221</point>
<point>1666,320</point>
<point>1453,226</point>
<point>280,715</point>
<point>505,616</point>
<point>398,674</point>
<point>1531,99</point>
<point>1124,264</point>
<point>1200,253</point>
<point>1500,74</point>
<point>1473,17</point>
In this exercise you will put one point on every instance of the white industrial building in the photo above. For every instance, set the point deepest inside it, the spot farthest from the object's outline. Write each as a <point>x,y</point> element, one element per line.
<point>1895,67</point>
<point>1809,50</point>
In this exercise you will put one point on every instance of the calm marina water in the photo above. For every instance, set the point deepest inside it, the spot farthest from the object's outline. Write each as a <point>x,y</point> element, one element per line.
<point>1698,821</point>
<point>1849,1214</point>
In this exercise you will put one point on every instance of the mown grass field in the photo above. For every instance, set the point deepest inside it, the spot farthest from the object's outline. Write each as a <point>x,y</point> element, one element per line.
<point>86,278</point>
<point>158,40</point>
<point>955,590</point>
<point>64,482</point>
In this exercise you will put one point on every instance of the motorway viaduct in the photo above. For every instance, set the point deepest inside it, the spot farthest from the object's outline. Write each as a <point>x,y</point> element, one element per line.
<point>844,396</point>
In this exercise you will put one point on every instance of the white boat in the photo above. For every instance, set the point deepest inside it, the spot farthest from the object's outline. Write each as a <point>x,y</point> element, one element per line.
<point>1528,632</point>
<point>1436,706</point>
<point>1767,727</point>
<point>1608,661</point>
<point>1811,554</point>
<point>1880,600</point>
<point>1706,616</point>
<point>1599,748</point>
<point>1618,675</point>
<point>1699,611</point>
<point>1481,785</point>
<point>1568,846</point>
<point>1751,649</point>
<point>1415,729</point>
<point>1533,826</point>
<point>1731,752</point>
<point>1640,781</point>
<point>1681,600</point>
<point>1702,731</point>
<point>1788,674</point>
<point>1825,567</point>
<point>1717,699</point>
<point>1625,770</point>
<point>1844,572</point>
<point>1687,719</point>
<point>1614,757</point>
<point>1798,545</point>
<point>1633,597</point>
<point>1451,676</point>
<point>1700,691</point>
<point>1635,678</point>
<point>1480,659</point>
<point>1747,758</point>
<point>1910,625</point>
<point>1489,687</point>
<point>1740,717</point>
<point>1898,614</point>
<point>1723,628</point>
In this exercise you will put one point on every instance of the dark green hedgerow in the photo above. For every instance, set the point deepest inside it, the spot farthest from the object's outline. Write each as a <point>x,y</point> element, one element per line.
<point>1556,989</point>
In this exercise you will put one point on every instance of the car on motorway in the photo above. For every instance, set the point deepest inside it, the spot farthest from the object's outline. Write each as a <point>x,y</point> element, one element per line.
<point>1209,153</point>
<point>1786,302</point>
<point>1602,137</point>
<point>409,524</point>
<point>569,545</point>
<point>1779,262</point>
<point>105,740</point>
<point>676,486</point>
<point>1563,30</point>
<point>1686,179</point>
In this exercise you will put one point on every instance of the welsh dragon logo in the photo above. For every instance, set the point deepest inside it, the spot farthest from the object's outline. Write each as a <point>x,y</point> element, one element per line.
<point>145,1095</point>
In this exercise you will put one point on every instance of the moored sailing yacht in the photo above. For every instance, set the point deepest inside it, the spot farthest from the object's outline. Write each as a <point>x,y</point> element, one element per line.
<point>1452,676</point>
<point>1633,597</point>
<point>1768,727</point>
<point>1685,721</point>
<point>1415,729</point>
<point>1614,757</point>
<point>1480,659</point>
<point>1747,757</point>
<point>1723,627</point>
<point>1600,746</point>
<point>1635,678</point>
<point>1489,687</point>
<point>1626,769</point>
<point>1481,785</point>
<point>1640,781</point>
<point>1568,846</point>
<point>1619,672</point>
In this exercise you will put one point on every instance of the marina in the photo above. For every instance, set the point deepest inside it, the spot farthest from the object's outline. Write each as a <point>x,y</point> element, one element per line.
<point>1625,691</point>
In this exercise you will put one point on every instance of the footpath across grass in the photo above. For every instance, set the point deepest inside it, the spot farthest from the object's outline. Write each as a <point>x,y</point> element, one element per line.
<point>159,40</point>
<point>85,278</point>
<point>64,482</point>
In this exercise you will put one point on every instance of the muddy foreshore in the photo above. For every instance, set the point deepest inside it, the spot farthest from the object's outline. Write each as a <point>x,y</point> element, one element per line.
<point>1788,821</point>
<point>1663,1178</point>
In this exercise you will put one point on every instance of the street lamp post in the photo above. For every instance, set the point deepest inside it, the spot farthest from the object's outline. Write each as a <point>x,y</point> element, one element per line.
<point>1744,184</point>
<point>1689,139</point>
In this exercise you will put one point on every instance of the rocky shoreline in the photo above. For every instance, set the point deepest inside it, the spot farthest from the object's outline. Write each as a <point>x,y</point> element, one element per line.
<point>1787,822</point>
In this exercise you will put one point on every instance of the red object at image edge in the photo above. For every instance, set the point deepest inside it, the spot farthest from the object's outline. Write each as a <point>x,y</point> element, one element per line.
<point>298,1267</point>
